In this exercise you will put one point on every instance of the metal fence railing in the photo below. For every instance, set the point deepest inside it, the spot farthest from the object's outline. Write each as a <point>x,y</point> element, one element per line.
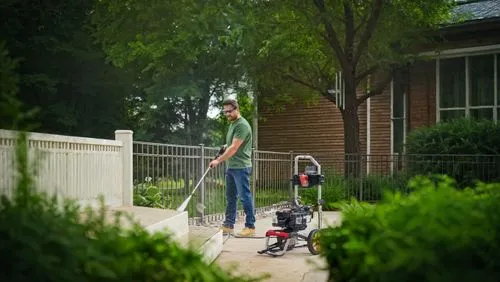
<point>364,177</point>
<point>165,174</point>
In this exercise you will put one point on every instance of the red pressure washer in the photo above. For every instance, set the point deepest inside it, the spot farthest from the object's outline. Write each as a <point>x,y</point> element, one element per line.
<point>294,219</point>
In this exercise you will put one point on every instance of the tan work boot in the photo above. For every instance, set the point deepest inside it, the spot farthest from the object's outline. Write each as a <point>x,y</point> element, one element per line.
<point>247,232</point>
<point>227,230</point>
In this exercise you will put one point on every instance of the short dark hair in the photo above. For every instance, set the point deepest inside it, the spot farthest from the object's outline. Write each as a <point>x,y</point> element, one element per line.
<point>231,102</point>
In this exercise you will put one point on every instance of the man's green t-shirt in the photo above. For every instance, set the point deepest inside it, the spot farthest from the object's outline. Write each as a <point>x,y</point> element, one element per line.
<point>240,129</point>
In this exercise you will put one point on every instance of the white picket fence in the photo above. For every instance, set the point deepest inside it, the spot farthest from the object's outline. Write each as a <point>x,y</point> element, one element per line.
<point>73,167</point>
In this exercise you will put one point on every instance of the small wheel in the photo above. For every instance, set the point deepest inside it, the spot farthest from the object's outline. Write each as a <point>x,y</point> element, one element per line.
<point>313,242</point>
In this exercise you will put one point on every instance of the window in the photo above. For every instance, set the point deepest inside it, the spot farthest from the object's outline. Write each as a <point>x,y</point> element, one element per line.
<point>468,86</point>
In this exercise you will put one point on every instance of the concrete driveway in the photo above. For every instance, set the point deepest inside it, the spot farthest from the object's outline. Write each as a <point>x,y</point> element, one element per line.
<point>240,256</point>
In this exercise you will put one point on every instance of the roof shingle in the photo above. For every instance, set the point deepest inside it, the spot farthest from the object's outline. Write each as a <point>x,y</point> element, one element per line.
<point>478,10</point>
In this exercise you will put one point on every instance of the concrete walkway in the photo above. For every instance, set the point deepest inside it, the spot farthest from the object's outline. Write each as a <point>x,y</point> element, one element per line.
<point>240,254</point>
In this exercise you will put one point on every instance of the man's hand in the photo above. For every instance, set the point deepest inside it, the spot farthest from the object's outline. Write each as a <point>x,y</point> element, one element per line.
<point>214,163</point>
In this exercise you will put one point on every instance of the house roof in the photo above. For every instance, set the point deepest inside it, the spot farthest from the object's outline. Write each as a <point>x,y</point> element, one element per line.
<point>477,10</point>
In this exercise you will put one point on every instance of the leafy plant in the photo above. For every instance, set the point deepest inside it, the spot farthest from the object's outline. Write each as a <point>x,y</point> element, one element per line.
<point>435,233</point>
<point>150,196</point>
<point>465,149</point>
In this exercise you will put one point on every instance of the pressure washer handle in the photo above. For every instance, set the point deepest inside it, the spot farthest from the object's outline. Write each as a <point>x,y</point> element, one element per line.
<point>221,151</point>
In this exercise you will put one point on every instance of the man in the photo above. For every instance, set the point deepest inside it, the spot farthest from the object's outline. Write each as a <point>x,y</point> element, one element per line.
<point>238,155</point>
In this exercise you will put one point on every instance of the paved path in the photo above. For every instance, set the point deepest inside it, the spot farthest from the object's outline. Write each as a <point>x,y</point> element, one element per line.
<point>240,255</point>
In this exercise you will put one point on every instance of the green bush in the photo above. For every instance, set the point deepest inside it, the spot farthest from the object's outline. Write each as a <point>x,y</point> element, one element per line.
<point>42,240</point>
<point>435,233</point>
<point>465,149</point>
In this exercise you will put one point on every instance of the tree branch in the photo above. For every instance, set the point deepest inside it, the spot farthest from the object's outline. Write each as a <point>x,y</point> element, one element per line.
<point>361,22</point>
<point>370,28</point>
<point>366,73</point>
<point>349,31</point>
<point>302,82</point>
<point>329,97</point>
<point>331,37</point>
<point>379,88</point>
<point>325,94</point>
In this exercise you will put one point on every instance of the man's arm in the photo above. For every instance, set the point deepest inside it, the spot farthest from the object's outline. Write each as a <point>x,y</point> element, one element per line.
<point>230,151</point>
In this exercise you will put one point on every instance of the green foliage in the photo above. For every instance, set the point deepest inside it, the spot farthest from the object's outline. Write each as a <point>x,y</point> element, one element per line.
<point>456,136</point>
<point>437,149</point>
<point>150,196</point>
<point>294,48</point>
<point>47,240</point>
<point>9,87</point>
<point>436,233</point>
<point>61,72</point>
<point>10,106</point>
<point>184,60</point>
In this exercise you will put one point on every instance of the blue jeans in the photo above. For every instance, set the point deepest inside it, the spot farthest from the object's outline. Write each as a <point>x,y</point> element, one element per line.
<point>238,186</point>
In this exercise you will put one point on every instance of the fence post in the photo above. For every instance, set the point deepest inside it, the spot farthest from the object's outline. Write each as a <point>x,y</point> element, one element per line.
<point>360,176</point>
<point>202,184</point>
<point>291,191</point>
<point>254,177</point>
<point>126,136</point>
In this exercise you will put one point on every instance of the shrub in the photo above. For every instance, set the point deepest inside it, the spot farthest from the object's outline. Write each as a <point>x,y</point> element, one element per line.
<point>46,241</point>
<point>436,233</point>
<point>465,149</point>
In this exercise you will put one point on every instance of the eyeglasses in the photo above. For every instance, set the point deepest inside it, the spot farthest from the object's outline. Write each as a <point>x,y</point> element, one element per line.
<point>228,111</point>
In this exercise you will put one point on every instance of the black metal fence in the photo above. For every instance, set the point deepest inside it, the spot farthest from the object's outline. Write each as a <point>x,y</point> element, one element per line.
<point>165,174</point>
<point>375,173</point>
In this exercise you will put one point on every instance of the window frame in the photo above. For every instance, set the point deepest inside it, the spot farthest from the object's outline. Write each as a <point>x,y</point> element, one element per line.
<point>467,108</point>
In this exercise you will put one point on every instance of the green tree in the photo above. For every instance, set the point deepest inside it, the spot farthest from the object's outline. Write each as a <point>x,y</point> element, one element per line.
<point>296,48</point>
<point>9,87</point>
<point>61,71</point>
<point>181,51</point>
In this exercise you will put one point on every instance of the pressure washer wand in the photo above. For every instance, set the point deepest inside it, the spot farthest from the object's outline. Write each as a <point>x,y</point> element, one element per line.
<point>184,204</point>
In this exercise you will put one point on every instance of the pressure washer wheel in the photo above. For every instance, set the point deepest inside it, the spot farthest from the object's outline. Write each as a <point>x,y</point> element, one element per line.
<point>313,242</point>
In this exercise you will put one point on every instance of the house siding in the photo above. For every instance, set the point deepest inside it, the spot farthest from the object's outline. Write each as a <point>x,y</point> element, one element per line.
<point>301,128</point>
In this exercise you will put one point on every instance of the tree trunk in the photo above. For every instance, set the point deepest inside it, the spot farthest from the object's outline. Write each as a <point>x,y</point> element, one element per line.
<point>352,160</point>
